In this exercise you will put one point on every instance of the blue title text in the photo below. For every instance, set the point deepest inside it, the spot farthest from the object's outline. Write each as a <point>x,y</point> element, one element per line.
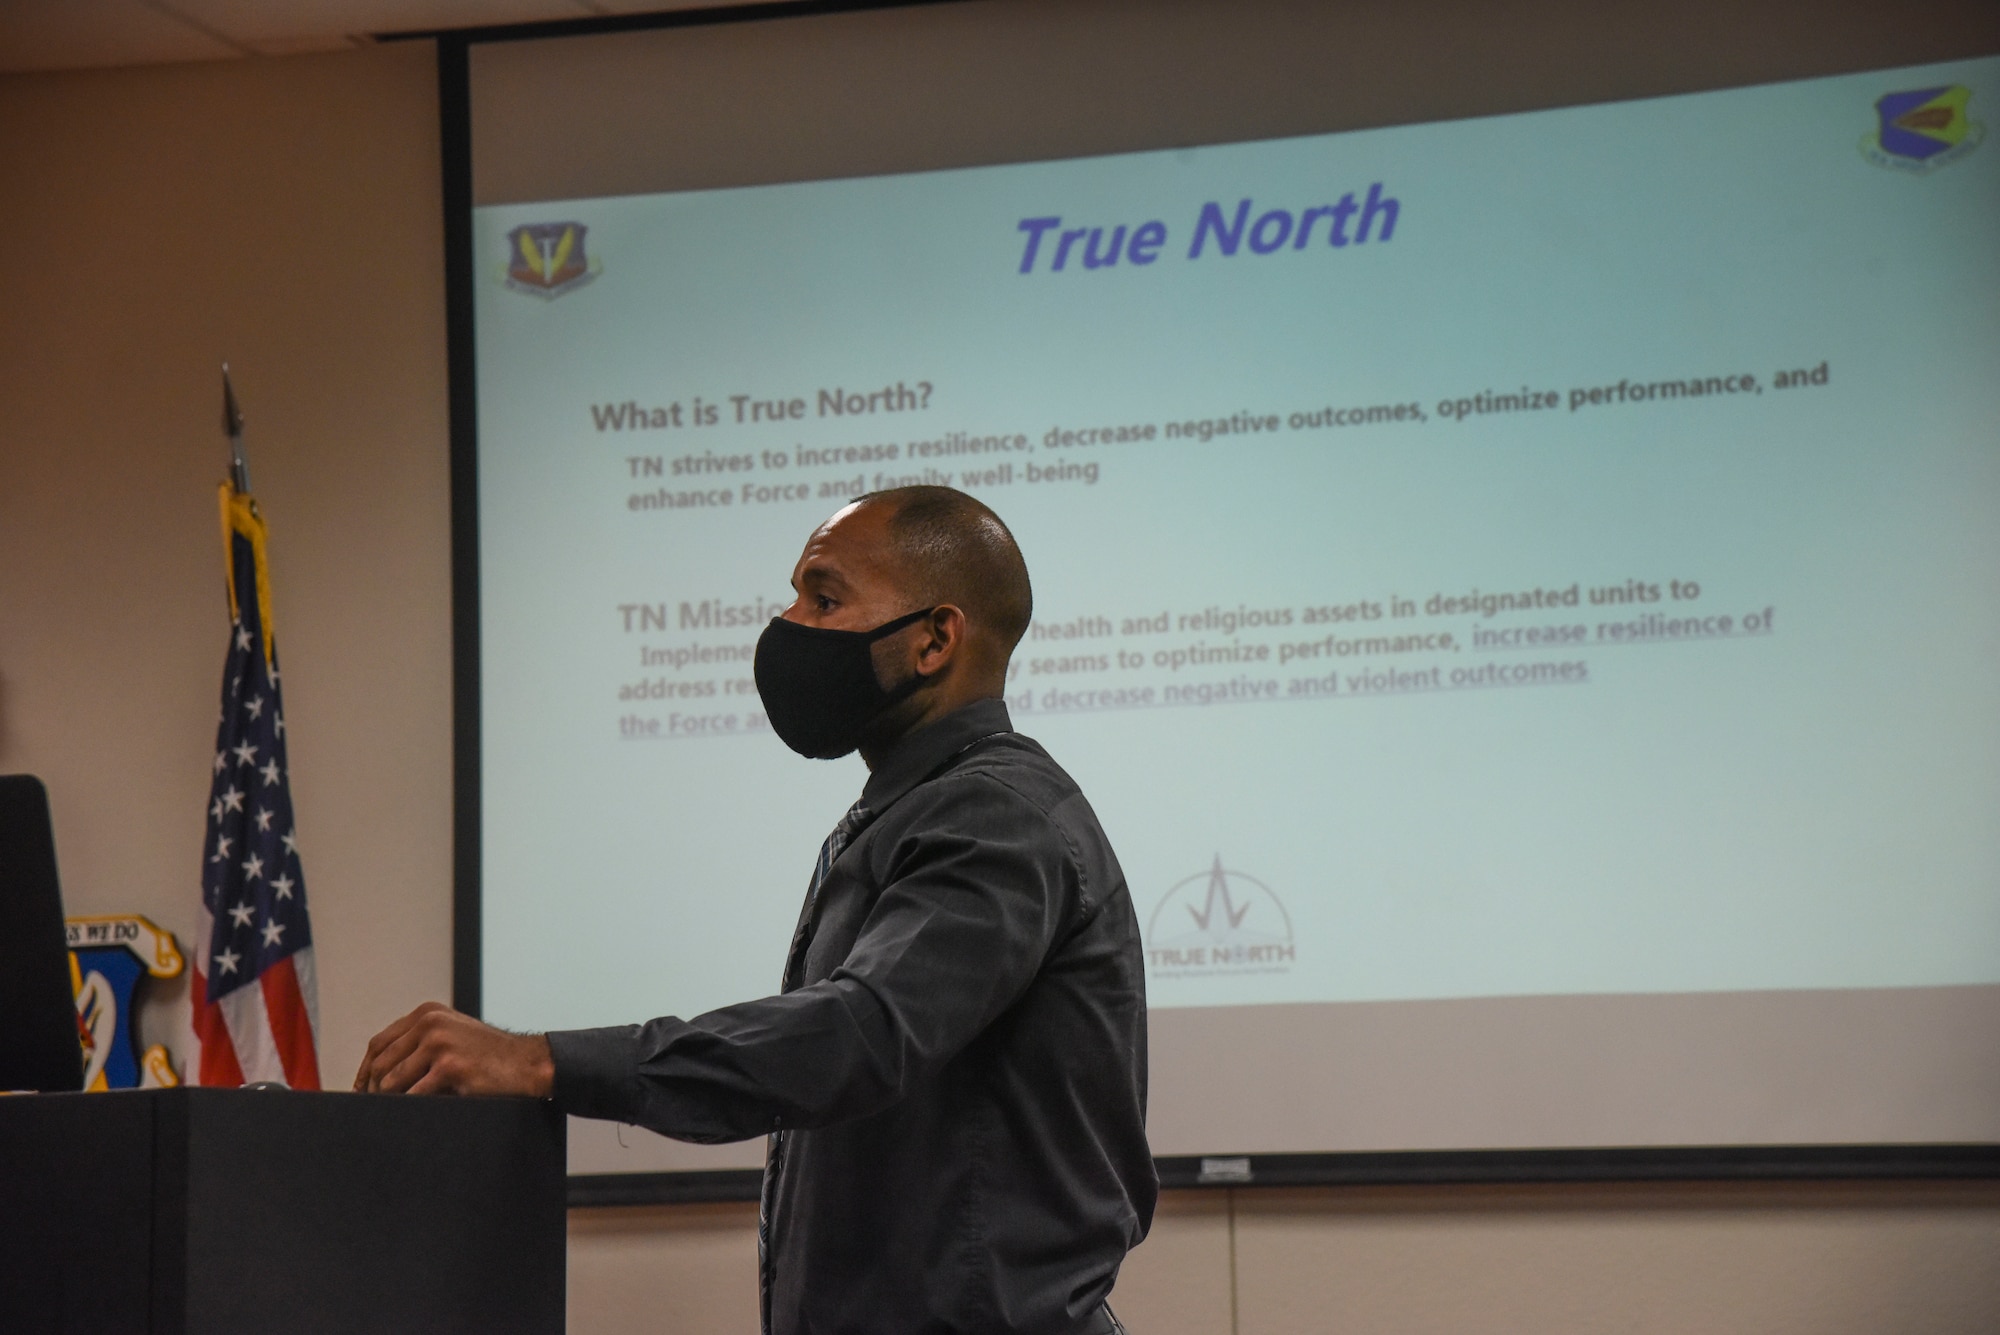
<point>1054,248</point>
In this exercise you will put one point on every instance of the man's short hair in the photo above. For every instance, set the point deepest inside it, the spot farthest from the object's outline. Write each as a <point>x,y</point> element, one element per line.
<point>956,550</point>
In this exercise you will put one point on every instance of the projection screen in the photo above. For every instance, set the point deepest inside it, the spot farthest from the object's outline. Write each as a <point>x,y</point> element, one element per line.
<point>1519,582</point>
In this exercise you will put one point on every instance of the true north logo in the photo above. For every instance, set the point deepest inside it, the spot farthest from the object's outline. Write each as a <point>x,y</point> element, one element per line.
<point>1219,921</point>
<point>549,259</point>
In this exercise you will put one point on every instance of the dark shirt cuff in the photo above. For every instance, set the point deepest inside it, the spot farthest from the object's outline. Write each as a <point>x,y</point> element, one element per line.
<point>596,1071</point>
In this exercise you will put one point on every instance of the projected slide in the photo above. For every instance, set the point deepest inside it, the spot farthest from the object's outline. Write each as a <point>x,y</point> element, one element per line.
<point>1534,556</point>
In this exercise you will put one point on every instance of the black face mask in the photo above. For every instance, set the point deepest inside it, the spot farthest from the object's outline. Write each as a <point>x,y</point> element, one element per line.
<point>819,686</point>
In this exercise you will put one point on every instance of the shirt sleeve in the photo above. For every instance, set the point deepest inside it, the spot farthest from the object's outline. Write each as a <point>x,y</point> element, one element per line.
<point>978,890</point>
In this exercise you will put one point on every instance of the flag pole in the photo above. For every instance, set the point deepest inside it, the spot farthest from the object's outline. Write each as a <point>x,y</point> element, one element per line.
<point>232,426</point>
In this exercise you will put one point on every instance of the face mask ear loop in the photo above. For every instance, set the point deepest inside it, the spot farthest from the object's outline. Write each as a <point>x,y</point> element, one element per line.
<point>917,679</point>
<point>888,628</point>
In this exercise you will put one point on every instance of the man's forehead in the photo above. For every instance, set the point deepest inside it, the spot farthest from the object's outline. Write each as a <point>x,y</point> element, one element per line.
<point>853,545</point>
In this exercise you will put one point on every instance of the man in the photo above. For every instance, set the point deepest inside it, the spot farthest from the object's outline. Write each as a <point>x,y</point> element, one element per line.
<point>953,1078</point>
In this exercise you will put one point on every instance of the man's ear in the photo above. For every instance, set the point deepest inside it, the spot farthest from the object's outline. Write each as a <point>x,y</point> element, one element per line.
<point>946,641</point>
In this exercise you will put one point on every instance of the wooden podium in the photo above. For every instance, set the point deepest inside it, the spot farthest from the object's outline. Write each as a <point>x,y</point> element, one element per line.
<point>205,1211</point>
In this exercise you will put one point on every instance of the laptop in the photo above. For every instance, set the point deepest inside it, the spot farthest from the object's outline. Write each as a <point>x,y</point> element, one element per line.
<point>38,1036</point>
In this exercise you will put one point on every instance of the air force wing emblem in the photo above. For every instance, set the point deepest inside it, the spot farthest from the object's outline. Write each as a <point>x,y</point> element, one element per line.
<point>1921,130</point>
<point>549,259</point>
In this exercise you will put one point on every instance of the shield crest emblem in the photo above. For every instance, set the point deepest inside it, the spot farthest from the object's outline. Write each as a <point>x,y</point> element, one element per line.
<point>108,956</point>
<point>1922,129</point>
<point>549,259</point>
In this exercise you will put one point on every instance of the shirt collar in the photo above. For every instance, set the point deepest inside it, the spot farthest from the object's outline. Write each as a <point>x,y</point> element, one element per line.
<point>914,758</point>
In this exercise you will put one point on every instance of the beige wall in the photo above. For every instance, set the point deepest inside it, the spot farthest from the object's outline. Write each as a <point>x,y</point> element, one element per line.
<point>1814,1259</point>
<point>284,214</point>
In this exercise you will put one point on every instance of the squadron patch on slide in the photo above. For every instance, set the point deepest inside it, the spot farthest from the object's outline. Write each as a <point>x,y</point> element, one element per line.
<point>549,259</point>
<point>1922,130</point>
<point>1219,922</point>
<point>107,957</point>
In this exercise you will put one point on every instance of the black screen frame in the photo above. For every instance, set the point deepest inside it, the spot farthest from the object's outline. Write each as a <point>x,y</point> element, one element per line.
<point>1630,1165</point>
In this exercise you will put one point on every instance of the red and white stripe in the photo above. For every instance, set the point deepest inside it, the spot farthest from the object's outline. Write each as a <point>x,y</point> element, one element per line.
<point>269,1031</point>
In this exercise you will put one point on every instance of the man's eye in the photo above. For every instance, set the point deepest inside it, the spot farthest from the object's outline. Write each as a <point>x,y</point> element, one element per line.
<point>825,603</point>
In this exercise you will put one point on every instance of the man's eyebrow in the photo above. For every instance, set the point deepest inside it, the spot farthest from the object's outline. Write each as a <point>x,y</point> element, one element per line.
<point>821,574</point>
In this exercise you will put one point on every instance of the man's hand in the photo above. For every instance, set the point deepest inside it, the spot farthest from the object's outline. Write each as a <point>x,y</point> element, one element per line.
<point>436,1050</point>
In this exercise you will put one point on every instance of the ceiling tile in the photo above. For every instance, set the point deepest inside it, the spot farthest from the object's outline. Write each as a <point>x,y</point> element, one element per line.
<point>85,34</point>
<point>260,23</point>
<point>79,34</point>
<point>303,46</point>
<point>661,6</point>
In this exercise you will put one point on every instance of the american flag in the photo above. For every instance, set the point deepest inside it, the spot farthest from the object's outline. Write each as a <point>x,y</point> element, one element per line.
<point>256,1010</point>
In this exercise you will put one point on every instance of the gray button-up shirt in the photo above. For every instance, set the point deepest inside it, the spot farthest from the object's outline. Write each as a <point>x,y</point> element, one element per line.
<point>958,1057</point>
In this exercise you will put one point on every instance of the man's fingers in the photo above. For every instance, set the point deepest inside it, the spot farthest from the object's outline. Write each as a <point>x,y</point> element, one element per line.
<point>398,1028</point>
<point>368,1078</point>
<point>393,1054</point>
<point>364,1074</point>
<point>402,1076</point>
<point>427,1059</point>
<point>433,1082</point>
<point>436,1050</point>
<point>376,1064</point>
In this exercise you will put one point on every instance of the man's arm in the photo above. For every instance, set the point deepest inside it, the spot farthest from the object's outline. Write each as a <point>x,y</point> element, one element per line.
<point>955,938</point>
<point>980,888</point>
